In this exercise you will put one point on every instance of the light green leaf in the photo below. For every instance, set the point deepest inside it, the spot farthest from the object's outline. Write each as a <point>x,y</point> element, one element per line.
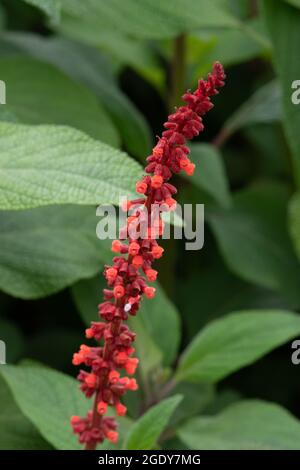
<point>295,3</point>
<point>146,430</point>
<point>44,250</point>
<point>294,221</point>
<point>86,65</point>
<point>162,322</point>
<point>210,173</point>
<point>148,351</point>
<point>283,24</point>
<point>42,165</point>
<point>196,397</point>
<point>235,341</point>
<point>16,431</point>
<point>121,49</point>
<point>230,46</point>
<point>248,425</point>
<point>264,106</point>
<point>50,7</point>
<point>63,100</point>
<point>48,399</point>
<point>151,19</point>
<point>254,240</point>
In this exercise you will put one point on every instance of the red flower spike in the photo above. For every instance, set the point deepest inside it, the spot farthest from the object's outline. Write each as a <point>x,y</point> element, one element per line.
<point>126,281</point>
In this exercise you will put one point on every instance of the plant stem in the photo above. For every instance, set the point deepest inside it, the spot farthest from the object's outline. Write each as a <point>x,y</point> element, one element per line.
<point>178,66</point>
<point>178,69</point>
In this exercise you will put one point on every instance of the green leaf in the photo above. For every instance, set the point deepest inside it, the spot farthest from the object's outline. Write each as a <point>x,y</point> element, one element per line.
<point>122,50</point>
<point>50,7</point>
<point>148,351</point>
<point>254,240</point>
<point>44,250</point>
<point>248,425</point>
<point>210,173</point>
<point>86,65</point>
<point>235,341</point>
<point>63,100</point>
<point>162,322</point>
<point>48,399</point>
<point>151,19</point>
<point>146,430</point>
<point>196,397</point>
<point>42,165</point>
<point>283,24</point>
<point>295,3</point>
<point>264,106</point>
<point>230,46</point>
<point>13,339</point>
<point>16,431</point>
<point>294,221</point>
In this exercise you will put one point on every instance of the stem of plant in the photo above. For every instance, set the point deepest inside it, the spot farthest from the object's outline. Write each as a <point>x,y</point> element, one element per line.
<point>178,76</point>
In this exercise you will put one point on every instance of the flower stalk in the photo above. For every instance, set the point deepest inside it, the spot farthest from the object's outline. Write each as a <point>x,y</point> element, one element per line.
<point>111,362</point>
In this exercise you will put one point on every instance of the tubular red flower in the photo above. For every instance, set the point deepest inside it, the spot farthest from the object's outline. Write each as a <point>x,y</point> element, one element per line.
<point>125,278</point>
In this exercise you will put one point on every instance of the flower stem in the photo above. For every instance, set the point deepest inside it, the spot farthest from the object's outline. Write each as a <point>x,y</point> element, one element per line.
<point>177,71</point>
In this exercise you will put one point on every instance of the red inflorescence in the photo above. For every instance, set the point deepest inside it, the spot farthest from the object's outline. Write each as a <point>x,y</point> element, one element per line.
<point>125,279</point>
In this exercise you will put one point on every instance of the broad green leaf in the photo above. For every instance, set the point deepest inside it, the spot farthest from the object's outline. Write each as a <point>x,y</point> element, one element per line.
<point>13,339</point>
<point>283,24</point>
<point>162,322</point>
<point>235,341</point>
<point>50,7</point>
<point>295,3</point>
<point>230,46</point>
<point>148,351</point>
<point>16,431</point>
<point>248,425</point>
<point>42,165</point>
<point>196,397</point>
<point>264,106</point>
<point>210,173</point>
<point>86,65</point>
<point>145,432</point>
<point>254,240</point>
<point>44,250</point>
<point>48,399</point>
<point>64,101</point>
<point>121,49</point>
<point>222,400</point>
<point>151,19</point>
